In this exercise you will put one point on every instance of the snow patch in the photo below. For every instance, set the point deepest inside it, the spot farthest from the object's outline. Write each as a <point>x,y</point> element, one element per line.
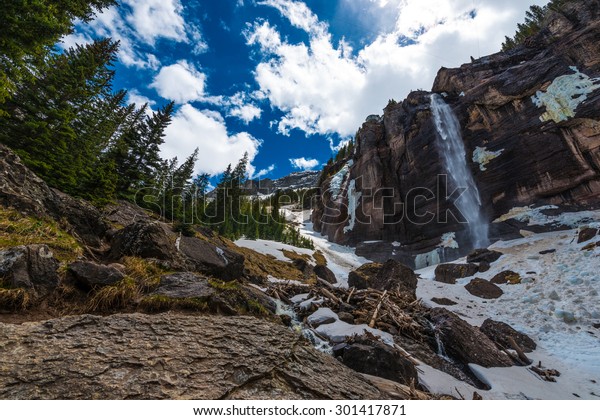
<point>222,255</point>
<point>556,304</point>
<point>340,331</point>
<point>564,95</point>
<point>535,217</point>
<point>482,156</point>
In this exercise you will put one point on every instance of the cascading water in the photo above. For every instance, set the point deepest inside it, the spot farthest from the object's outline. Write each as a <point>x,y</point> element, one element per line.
<point>455,162</point>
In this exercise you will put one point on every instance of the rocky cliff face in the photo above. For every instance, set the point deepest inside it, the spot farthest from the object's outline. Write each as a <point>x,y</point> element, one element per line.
<point>530,121</point>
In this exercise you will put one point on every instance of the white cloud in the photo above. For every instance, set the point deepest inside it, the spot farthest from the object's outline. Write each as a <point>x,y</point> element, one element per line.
<point>246,113</point>
<point>298,14</point>
<point>326,88</point>
<point>263,172</point>
<point>72,40</point>
<point>304,164</point>
<point>138,26</point>
<point>180,82</point>
<point>193,128</point>
<point>152,19</point>
<point>241,106</point>
<point>134,97</point>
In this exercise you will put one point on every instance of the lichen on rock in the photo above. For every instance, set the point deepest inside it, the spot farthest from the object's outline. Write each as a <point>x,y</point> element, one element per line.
<point>564,95</point>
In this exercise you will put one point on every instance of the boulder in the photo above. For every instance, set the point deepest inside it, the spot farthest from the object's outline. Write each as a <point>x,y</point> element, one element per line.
<point>465,343</point>
<point>190,291</point>
<point>395,276</point>
<point>500,332</point>
<point>90,275</point>
<point>586,234</point>
<point>143,239</point>
<point>211,259</point>
<point>484,289</point>
<point>321,317</point>
<point>505,277</point>
<point>30,267</point>
<point>346,317</point>
<point>184,286</point>
<point>137,356</point>
<point>484,267</point>
<point>483,255</point>
<point>325,273</point>
<point>443,301</point>
<point>448,273</point>
<point>366,355</point>
<point>361,278</point>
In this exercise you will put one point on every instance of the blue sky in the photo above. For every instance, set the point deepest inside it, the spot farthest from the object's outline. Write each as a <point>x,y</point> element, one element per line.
<point>287,81</point>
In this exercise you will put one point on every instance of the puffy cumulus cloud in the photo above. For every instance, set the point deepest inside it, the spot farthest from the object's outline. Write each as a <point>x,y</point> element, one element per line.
<point>246,113</point>
<point>326,88</point>
<point>304,163</point>
<point>137,25</point>
<point>242,106</point>
<point>180,82</point>
<point>152,19</point>
<point>192,128</point>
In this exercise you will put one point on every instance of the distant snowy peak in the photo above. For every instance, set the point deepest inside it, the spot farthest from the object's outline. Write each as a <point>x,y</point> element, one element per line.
<point>293,181</point>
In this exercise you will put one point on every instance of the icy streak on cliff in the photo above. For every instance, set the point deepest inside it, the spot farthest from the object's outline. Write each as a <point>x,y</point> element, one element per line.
<point>455,162</point>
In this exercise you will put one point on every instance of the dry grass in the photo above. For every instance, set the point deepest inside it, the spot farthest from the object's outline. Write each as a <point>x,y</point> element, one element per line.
<point>14,300</point>
<point>292,255</point>
<point>142,277</point>
<point>145,273</point>
<point>319,258</point>
<point>262,266</point>
<point>16,229</point>
<point>117,296</point>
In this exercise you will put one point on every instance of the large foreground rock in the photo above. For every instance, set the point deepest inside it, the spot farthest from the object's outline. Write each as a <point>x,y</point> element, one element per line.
<point>134,356</point>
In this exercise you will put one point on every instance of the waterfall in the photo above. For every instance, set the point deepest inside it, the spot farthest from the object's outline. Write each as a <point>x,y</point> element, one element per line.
<point>455,163</point>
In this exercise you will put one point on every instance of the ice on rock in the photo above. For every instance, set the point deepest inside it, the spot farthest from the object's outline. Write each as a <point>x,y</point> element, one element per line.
<point>322,316</point>
<point>338,179</point>
<point>340,331</point>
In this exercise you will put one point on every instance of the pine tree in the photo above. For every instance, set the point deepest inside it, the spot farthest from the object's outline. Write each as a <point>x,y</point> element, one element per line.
<point>29,31</point>
<point>52,122</point>
<point>137,152</point>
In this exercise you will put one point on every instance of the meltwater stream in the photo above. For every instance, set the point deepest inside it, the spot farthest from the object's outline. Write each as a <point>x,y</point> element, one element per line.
<point>455,162</point>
